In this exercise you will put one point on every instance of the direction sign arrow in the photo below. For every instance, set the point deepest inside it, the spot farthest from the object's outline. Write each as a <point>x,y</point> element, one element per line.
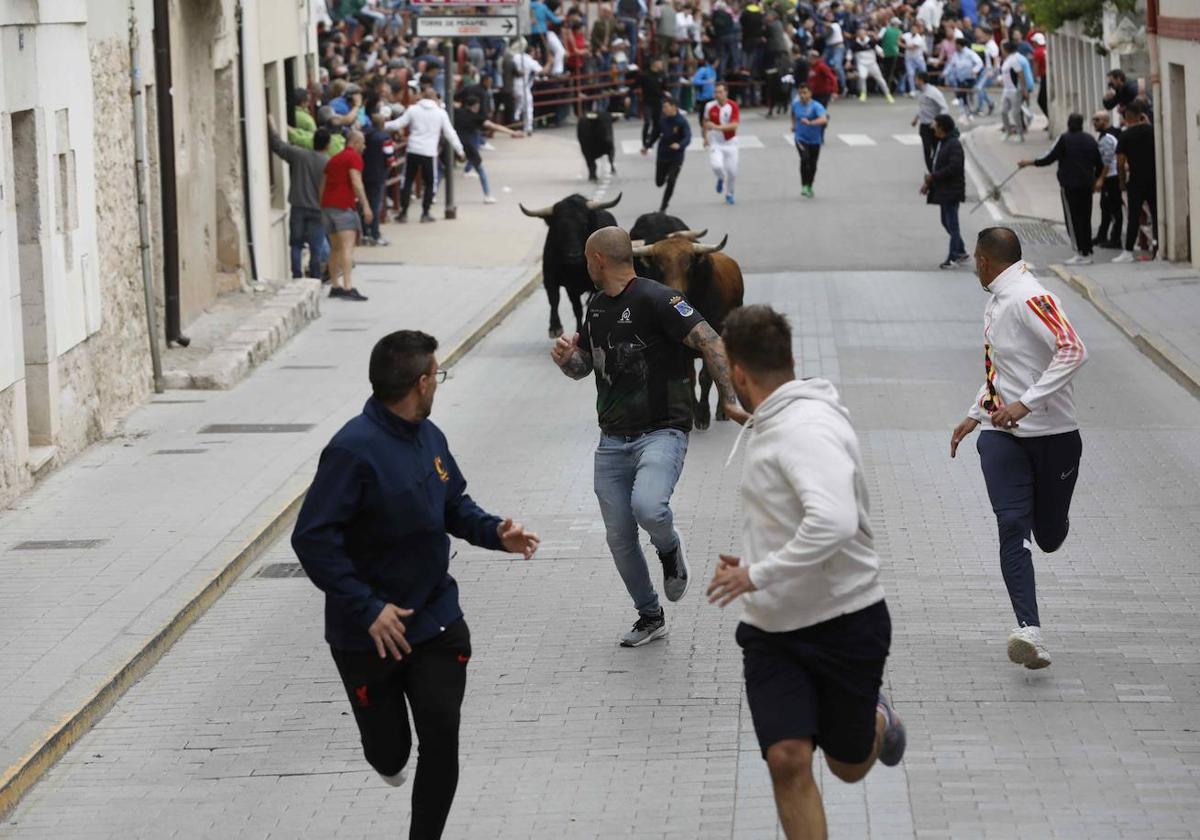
<point>446,26</point>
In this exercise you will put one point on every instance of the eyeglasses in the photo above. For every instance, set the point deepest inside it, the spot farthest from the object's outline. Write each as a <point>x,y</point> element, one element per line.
<point>441,375</point>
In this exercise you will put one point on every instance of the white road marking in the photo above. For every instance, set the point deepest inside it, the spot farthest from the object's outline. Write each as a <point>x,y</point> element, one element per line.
<point>746,141</point>
<point>909,139</point>
<point>981,190</point>
<point>856,140</point>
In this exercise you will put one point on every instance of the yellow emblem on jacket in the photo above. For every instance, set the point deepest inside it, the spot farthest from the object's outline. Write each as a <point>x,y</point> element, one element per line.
<point>441,471</point>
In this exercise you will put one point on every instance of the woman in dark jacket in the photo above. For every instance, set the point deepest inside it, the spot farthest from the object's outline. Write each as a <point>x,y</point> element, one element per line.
<point>946,185</point>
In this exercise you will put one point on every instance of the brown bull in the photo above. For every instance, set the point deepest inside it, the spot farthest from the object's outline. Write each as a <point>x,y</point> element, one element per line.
<point>709,280</point>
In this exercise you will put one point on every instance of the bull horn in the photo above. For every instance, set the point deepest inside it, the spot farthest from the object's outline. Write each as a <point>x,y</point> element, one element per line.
<point>700,248</point>
<point>543,213</point>
<point>604,205</point>
<point>694,235</point>
<point>642,251</point>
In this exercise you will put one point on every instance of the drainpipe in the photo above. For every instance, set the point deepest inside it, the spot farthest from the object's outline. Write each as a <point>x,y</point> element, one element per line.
<point>1161,234</point>
<point>166,163</point>
<point>241,67</point>
<point>138,93</point>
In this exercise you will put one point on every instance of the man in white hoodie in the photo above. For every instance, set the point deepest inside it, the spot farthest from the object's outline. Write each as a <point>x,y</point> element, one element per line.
<point>815,630</point>
<point>1030,456</point>
<point>427,122</point>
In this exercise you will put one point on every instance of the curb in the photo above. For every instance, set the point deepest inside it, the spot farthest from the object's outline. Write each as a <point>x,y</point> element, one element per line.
<point>1154,347</point>
<point>991,183</point>
<point>18,779</point>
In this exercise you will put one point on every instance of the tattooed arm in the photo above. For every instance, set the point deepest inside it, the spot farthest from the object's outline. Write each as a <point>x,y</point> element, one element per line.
<point>573,359</point>
<point>705,341</point>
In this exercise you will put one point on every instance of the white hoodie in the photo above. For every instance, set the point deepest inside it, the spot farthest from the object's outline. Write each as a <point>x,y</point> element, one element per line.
<point>806,534</point>
<point>428,122</point>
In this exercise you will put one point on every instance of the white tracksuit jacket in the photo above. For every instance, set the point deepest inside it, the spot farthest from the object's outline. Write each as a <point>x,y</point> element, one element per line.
<point>806,530</point>
<point>427,122</point>
<point>1031,353</point>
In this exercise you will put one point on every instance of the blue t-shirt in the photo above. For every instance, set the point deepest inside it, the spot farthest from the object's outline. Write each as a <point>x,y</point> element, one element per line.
<point>704,83</point>
<point>341,107</point>
<point>813,135</point>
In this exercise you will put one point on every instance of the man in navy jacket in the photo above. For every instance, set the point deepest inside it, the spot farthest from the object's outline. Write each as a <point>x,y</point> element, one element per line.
<point>373,536</point>
<point>673,136</point>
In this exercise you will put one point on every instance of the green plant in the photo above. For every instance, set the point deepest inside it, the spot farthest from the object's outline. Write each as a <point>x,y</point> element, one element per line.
<point>1051,14</point>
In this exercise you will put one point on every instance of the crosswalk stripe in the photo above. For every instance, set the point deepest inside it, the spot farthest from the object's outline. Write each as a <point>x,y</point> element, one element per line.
<point>909,139</point>
<point>745,141</point>
<point>856,140</point>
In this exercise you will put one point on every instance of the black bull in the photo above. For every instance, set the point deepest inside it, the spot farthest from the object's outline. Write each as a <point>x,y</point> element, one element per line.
<point>595,135</point>
<point>570,222</point>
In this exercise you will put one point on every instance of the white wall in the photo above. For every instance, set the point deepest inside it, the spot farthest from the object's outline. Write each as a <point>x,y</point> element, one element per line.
<point>1187,54</point>
<point>10,301</point>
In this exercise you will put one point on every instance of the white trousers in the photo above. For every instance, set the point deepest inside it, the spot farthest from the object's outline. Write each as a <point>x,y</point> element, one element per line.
<point>870,67</point>
<point>523,104</point>
<point>723,158</point>
<point>557,51</point>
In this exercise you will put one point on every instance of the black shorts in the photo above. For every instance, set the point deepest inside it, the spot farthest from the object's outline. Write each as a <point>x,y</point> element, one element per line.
<point>820,682</point>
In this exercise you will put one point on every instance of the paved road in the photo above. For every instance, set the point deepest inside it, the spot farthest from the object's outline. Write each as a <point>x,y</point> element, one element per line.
<point>242,730</point>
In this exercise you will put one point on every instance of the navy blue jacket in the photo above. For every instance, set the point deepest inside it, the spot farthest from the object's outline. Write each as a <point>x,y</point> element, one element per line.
<point>373,528</point>
<point>671,130</point>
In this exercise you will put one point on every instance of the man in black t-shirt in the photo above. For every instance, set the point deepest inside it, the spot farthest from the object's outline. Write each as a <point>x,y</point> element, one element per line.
<point>470,123</point>
<point>1136,170</point>
<point>636,338</point>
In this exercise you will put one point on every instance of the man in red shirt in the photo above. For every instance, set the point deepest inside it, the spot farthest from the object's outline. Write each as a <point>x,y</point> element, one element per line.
<point>721,120</point>
<point>1039,70</point>
<point>341,189</point>
<point>822,81</point>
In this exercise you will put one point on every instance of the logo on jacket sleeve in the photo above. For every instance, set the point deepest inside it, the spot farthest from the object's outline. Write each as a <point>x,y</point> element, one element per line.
<point>684,309</point>
<point>441,470</point>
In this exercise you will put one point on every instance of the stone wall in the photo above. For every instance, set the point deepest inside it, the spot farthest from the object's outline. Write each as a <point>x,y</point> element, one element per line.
<point>14,473</point>
<point>109,374</point>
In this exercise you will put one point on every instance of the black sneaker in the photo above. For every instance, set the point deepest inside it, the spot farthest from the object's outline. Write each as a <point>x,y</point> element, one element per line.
<point>427,219</point>
<point>675,571</point>
<point>402,218</point>
<point>645,630</point>
<point>336,291</point>
<point>353,294</point>
<point>949,263</point>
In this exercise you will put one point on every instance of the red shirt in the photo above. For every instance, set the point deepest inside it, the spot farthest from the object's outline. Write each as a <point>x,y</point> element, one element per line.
<point>821,80</point>
<point>718,115</point>
<point>339,192</point>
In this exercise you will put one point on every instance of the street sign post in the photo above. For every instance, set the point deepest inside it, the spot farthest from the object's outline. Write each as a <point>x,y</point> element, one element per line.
<point>450,26</point>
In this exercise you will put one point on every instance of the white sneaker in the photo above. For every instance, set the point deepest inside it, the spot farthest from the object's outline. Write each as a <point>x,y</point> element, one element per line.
<point>489,199</point>
<point>488,147</point>
<point>1078,259</point>
<point>1123,257</point>
<point>397,780</point>
<point>1025,648</point>
<point>471,174</point>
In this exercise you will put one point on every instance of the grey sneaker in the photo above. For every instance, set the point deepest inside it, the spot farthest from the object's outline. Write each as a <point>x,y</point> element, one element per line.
<point>675,571</point>
<point>1025,647</point>
<point>646,629</point>
<point>894,737</point>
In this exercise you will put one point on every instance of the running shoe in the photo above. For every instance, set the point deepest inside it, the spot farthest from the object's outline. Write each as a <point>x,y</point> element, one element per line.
<point>402,218</point>
<point>396,780</point>
<point>1123,257</point>
<point>1025,648</point>
<point>891,100</point>
<point>1079,259</point>
<point>336,291</point>
<point>720,185</point>
<point>894,736</point>
<point>427,219</point>
<point>807,192</point>
<point>729,199</point>
<point>353,294</point>
<point>675,571</point>
<point>862,97</point>
<point>948,263</point>
<point>645,630</point>
<point>379,240</point>
<point>962,259</point>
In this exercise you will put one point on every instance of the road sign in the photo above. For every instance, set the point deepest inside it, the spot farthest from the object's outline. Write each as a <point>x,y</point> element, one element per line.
<point>428,3</point>
<point>466,27</point>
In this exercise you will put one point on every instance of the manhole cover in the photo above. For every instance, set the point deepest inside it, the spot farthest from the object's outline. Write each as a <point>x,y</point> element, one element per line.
<point>180,451</point>
<point>255,428</point>
<point>1038,232</point>
<point>56,545</point>
<point>281,570</point>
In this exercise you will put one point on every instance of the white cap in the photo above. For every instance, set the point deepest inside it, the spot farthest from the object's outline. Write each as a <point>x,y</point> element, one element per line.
<point>1039,39</point>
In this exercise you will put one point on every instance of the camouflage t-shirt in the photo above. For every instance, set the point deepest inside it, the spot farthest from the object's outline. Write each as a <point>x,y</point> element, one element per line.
<point>643,369</point>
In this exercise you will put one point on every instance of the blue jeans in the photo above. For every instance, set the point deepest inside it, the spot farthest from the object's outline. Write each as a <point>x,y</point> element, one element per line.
<point>912,66</point>
<point>305,228</point>
<point>981,94</point>
<point>478,167</point>
<point>634,479</point>
<point>950,223</point>
<point>835,57</point>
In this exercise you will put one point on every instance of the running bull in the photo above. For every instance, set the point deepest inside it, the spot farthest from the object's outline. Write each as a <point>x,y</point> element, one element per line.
<point>711,282</point>
<point>595,133</point>
<point>571,222</point>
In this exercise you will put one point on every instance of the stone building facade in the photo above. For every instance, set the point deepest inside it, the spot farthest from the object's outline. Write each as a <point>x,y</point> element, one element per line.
<point>74,335</point>
<point>1178,26</point>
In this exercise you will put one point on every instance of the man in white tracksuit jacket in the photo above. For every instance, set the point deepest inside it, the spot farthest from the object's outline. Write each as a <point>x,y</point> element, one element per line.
<point>427,123</point>
<point>815,630</point>
<point>1030,455</point>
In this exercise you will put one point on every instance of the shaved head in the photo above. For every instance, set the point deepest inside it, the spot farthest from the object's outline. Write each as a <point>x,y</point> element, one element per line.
<point>999,244</point>
<point>612,244</point>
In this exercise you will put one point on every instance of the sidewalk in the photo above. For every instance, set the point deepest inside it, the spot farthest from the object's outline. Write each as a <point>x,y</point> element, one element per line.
<point>109,560</point>
<point>1153,303</point>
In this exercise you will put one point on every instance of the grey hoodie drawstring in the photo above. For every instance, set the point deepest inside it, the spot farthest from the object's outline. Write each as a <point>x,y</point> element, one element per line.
<point>737,442</point>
